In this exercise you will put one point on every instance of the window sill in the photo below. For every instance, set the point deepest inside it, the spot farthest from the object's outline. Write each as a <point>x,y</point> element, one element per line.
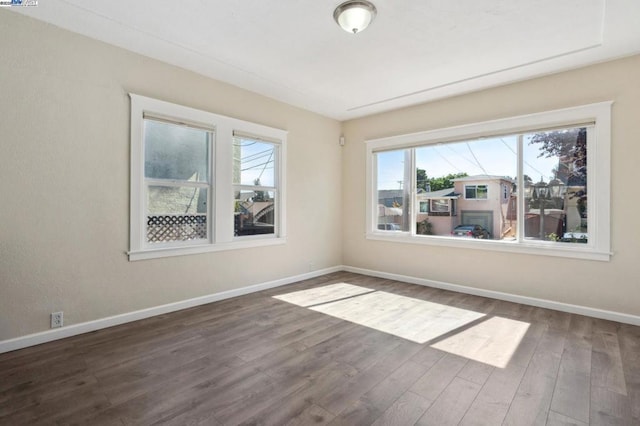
<point>575,251</point>
<point>154,253</point>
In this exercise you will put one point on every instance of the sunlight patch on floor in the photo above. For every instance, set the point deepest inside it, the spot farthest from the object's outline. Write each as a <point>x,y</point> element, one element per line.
<point>493,341</point>
<point>412,319</point>
<point>324,294</point>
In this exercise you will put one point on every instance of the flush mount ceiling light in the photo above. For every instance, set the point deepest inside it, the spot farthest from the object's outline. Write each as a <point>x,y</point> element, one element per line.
<point>354,16</point>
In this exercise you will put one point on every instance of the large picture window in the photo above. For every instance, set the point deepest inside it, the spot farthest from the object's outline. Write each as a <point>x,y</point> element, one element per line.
<point>202,182</point>
<point>536,184</point>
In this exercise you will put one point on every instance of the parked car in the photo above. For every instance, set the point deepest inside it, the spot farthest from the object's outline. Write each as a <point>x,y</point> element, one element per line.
<point>575,237</point>
<point>470,231</point>
<point>389,227</point>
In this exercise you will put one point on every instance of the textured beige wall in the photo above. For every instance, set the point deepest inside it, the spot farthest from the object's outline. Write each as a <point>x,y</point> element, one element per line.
<point>64,187</point>
<point>613,285</point>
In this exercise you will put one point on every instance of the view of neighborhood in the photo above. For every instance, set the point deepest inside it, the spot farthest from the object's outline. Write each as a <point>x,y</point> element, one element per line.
<point>254,176</point>
<point>469,189</point>
<point>178,183</point>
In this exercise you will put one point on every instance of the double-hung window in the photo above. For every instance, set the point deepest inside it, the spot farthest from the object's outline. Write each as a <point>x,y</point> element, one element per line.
<point>536,184</point>
<point>177,182</point>
<point>202,182</point>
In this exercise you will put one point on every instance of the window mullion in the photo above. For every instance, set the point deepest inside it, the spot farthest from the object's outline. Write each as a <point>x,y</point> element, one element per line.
<point>224,186</point>
<point>520,218</point>
<point>414,190</point>
<point>407,190</point>
<point>211,208</point>
<point>175,183</point>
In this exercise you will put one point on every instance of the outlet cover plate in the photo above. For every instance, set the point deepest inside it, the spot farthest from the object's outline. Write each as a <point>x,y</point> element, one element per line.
<point>56,319</point>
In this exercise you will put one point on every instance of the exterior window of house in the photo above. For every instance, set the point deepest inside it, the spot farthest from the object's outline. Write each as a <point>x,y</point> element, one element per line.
<point>202,182</point>
<point>441,206</point>
<point>505,192</point>
<point>540,191</point>
<point>475,192</point>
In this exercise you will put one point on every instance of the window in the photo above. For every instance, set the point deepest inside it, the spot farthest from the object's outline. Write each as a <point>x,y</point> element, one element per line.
<point>177,181</point>
<point>254,166</point>
<point>475,192</point>
<point>440,206</point>
<point>202,182</point>
<point>526,181</point>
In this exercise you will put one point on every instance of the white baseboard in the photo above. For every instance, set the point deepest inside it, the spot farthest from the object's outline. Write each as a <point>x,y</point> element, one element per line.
<point>542,303</point>
<point>86,327</point>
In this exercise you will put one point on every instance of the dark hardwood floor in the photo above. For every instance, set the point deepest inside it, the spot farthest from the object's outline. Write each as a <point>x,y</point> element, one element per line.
<point>258,359</point>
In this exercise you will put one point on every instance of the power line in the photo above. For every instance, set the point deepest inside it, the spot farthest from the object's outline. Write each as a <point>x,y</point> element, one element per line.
<point>516,154</point>
<point>446,159</point>
<point>475,158</point>
<point>256,166</point>
<point>257,154</point>
<point>265,166</point>
<point>459,154</point>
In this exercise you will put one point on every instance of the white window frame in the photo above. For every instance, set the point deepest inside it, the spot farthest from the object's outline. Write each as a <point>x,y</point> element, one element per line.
<point>221,204</point>
<point>598,180</point>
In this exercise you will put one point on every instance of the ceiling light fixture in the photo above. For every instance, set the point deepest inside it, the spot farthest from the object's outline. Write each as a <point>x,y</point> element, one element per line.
<point>354,16</point>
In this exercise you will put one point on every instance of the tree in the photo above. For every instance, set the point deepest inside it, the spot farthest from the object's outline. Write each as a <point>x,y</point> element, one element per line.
<point>570,146</point>
<point>445,182</point>
<point>435,184</point>
<point>259,195</point>
<point>421,179</point>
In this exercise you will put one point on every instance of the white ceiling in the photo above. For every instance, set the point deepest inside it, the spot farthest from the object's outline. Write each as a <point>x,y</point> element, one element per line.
<point>414,51</point>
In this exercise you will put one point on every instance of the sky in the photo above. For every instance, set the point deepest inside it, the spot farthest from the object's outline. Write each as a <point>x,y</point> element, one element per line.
<point>257,161</point>
<point>491,156</point>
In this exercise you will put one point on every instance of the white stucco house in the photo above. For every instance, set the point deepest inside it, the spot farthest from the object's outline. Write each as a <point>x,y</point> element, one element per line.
<point>474,200</point>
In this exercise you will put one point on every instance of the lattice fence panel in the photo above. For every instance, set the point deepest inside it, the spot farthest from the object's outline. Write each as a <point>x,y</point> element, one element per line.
<point>167,228</point>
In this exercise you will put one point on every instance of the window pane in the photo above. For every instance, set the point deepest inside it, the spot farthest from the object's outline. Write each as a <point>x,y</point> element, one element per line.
<point>176,213</point>
<point>481,192</point>
<point>253,162</point>
<point>470,192</point>
<point>440,205</point>
<point>393,189</point>
<point>469,185</point>
<point>254,212</point>
<point>175,152</point>
<point>556,204</point>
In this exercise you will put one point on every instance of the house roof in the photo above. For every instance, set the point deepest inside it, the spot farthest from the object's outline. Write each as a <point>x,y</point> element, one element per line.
<point>294,52</point>
<point>483,177</point>
<point>390,193</point>
<point>443,193</point>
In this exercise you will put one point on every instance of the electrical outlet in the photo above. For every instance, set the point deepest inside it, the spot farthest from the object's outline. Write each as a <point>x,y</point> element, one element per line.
<point>56,319</point>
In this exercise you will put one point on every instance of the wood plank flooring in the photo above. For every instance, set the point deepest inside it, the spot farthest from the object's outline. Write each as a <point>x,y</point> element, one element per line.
<point>258,359</point>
